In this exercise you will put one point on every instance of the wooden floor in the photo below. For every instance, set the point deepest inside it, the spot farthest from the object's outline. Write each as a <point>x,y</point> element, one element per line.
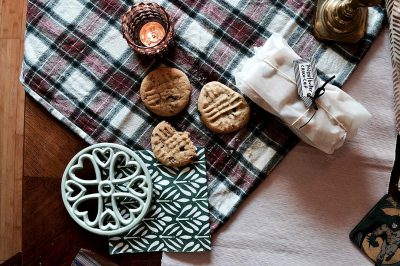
<point>32,217</point>
<point>12,24</point>
<point>50,236</point>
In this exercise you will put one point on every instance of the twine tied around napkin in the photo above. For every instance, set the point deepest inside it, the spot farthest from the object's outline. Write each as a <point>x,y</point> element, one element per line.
<point>268,79</point>
<point>318,93</point>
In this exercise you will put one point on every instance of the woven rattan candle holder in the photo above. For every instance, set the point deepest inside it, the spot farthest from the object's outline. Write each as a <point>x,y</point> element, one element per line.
<point>148,16</point>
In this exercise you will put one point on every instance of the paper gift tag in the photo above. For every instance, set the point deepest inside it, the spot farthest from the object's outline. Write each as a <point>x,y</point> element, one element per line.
<point>306,80</point>
<point>178,219</point>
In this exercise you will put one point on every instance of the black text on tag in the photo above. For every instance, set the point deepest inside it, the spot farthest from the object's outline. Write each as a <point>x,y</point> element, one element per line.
<point>306,80</point>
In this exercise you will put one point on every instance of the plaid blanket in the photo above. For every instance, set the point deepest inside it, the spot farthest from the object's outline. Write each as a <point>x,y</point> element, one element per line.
<point>78,66</point>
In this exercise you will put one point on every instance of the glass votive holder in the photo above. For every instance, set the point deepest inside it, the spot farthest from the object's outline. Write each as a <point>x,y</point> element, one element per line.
<point>147,29</point>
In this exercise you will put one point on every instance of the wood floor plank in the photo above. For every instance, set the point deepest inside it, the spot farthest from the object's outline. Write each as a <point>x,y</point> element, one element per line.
<point>19,136</point>
<point>11,17</point>
<point>10,143</point>
<point>12,96</point>
<point>48,147</point>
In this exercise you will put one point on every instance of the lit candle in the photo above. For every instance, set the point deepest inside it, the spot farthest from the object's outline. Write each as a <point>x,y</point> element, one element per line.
<point>151,33</point>
<point>147,29</point>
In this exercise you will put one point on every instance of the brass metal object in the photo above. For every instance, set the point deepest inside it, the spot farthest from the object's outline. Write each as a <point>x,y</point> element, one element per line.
<point>342,20</point>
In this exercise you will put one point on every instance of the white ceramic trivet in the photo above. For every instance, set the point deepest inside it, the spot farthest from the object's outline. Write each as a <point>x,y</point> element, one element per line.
<point>120,177</point>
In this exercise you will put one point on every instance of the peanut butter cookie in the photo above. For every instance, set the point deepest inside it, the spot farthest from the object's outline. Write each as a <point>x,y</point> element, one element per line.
<point>221,109</point>
<point>170,147</point>
<point>165,91</point>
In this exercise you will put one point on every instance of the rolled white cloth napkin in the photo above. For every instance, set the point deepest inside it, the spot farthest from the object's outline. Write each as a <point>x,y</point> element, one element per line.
<point>268,79</point>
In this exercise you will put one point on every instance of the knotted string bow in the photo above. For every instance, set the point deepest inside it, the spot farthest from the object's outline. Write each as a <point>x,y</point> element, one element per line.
<point>318,93</point>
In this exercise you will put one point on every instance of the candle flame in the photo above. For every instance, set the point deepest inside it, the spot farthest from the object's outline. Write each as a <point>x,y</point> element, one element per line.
<point>151,33</point>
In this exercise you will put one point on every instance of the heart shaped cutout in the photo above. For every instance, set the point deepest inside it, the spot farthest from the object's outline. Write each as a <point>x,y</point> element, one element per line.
<point>103,156</point>
<point>122,169</point>
<point>138,186</point>
<point>74,190</point>
<point>108,221</point>
<point>85,208</point>
<point>86,173</point>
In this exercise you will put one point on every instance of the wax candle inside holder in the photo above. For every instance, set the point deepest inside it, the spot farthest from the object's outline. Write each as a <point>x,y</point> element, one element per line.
<point>152,33</point>
<point>147,29</point>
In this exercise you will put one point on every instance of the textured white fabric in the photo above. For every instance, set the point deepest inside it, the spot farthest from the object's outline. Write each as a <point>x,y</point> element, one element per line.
<point>268,78</point>
<point>303,212</point>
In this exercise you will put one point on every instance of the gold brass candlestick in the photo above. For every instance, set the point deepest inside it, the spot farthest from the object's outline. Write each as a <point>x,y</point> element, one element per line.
<point>342,20</point>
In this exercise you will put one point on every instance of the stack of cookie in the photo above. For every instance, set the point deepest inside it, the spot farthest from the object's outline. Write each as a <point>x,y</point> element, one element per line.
<point>166,92</point>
